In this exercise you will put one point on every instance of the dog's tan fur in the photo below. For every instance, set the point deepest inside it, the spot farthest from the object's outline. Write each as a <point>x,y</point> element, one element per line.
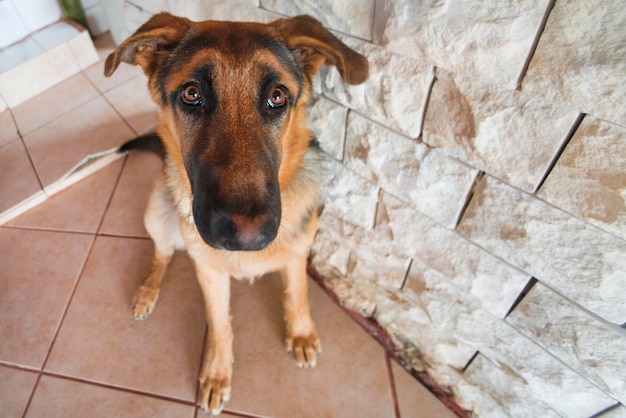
<point>169,217</point>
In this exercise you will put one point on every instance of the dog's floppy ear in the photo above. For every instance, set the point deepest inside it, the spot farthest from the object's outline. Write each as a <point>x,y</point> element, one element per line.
<point>150,44</point>
<point>313,46</point>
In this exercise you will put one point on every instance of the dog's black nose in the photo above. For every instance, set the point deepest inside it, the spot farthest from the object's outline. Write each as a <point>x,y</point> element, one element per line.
<point>236,232</point>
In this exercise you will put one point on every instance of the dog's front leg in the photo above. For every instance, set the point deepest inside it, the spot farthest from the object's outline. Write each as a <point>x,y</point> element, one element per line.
<point>161,222</point>
<point>301,335</point>
<point>215,376</point>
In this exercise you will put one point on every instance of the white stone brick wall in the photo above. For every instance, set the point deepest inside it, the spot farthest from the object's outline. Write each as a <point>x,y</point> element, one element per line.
<point>475,190</point>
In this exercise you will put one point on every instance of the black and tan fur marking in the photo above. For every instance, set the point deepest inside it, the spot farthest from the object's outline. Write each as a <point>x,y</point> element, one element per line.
<point>239,188</point>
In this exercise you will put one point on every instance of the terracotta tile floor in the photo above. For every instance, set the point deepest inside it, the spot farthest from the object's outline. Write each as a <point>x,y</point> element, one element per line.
<point>69,346</point>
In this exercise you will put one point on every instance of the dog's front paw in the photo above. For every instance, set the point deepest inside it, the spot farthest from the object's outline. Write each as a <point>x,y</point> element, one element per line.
<point>214,393</point>
<point>144,302</point>
<point>305,349</point>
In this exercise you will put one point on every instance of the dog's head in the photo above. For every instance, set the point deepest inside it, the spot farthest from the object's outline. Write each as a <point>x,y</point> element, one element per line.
<point>233,99</point>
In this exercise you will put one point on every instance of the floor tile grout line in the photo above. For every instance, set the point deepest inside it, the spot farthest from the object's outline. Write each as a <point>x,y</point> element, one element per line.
<point>20,367</point>
<point>242,414</point>
<point>72,293</point>
<point>113,235</point>
<point>392,387</point>
<point>32,164</point>
<point>43,229</point>
<point>7,144</point>
<point>118,388</point>
<point>103,94</point>
<point>32,394</point>
<point>84,71</point>
<point>367,324</point>
<point>60,324</point>
<point>126,122</point>
<point>41,373</point>
<point>108,205</point>
<point>204,347</point>
<point>103,91</point>
<point>77,105</point>
<point>61,231</point>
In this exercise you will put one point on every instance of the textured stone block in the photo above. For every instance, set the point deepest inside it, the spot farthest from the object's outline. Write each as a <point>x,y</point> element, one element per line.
<point>437,250</point>
<point>394,94</point>
<point>548,379</point>
<point>580,59</point>
<point>433,183</point>
<point>590,347</point>
<point>356,264</point>
<point>139,11</point>
<point>573,257</point>
<point>242,10</point>
<point>489,40</point>
<point>331,259</point>
<point>505,133</point>
<point>328,122</point>
<point>382,262</point>
<point>443,304</point>
<point>458,314</point>
<point>351,17</point>
<point>617,412</point>
<point>348,196</point>
<point>408,321</point>
<point>152,6</point>
<point>490,391</point>
<point>134,17</point>
<point>589,179</point>
<point>329,256</point>
<point>366,273</point>
<point>237,10</point>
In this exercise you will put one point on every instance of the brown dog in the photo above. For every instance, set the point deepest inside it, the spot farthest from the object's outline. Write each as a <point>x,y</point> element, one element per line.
<point>239,188</point>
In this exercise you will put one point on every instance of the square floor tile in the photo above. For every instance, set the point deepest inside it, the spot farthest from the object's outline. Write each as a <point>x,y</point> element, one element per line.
<point>54,102</point>
<point>18,180</point>
<point>123,73</point>
<point>8,128</point>
<point>125,213</point>
<point>58,146</point>
<point>39,270</point>
<point>3,104</point>
<point>350,378</point>
<point>134,102</point>
<point>79,208</point>
<point>414,400</point>
<point>100,341</point>
<point>15,389</point>
<point>63,398</point>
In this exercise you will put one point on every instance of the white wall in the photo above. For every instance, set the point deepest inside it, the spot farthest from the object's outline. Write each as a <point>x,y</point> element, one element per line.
<point>18,18</point>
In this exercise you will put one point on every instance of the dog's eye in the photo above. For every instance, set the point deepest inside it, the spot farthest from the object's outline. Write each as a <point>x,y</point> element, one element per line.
<point>191,95</point>
<point>277,99</point>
